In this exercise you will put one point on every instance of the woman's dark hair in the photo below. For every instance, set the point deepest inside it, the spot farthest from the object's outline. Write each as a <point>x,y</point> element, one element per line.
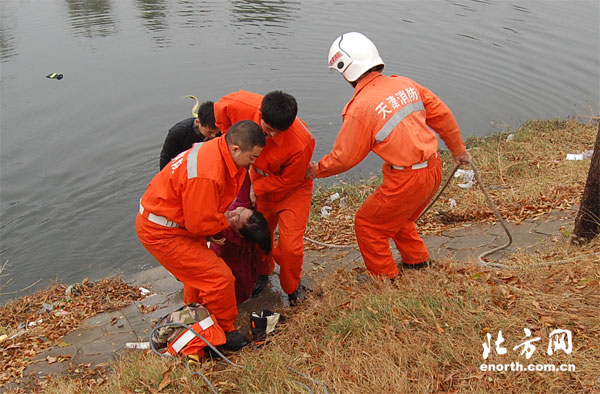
<point>257,230</point>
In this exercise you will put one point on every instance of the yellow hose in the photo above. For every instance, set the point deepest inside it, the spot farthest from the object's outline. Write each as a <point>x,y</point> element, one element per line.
<point>196,106</point>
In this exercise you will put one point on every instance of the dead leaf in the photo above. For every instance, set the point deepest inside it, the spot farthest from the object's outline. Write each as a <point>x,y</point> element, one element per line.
<point>166,379</point>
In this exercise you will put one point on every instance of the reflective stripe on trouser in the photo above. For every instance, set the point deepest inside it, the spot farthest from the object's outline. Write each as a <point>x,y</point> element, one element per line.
<point>206,278</point>
<point>390,212</point>
<point>292,215</point>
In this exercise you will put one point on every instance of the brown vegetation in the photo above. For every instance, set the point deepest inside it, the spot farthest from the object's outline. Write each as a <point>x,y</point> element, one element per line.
<point>36,322</point>
<point>423,333</point>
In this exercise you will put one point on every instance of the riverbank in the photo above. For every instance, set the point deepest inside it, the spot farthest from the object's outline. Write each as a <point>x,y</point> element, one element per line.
<point>425,332</point>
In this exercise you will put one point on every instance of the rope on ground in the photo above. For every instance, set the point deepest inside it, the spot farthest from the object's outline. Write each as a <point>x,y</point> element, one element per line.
<point>309,378</point>
<point>481,261</point>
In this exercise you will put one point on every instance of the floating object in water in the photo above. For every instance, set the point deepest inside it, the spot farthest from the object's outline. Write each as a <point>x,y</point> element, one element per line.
<point>55,76</point>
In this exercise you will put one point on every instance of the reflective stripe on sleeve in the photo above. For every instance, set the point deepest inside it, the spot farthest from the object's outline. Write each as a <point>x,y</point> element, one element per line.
<point>192,161</point>
<point>396,119</point>
<point>206,323</point>
<point>188,335</point>
<point>183,340</point>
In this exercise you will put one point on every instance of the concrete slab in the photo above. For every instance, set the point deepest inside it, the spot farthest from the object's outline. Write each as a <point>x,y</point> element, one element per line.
<point>108,343</point>
<point>42,368</point>
<point>100,320</point>
<point>513,228</point>
<point>552,227</point>
<point>82,336</point>
<point>435,242</point>
<point>466,230</point>
<point>474,241</point>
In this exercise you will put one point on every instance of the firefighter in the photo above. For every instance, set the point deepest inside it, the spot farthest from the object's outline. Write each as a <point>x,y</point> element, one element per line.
<point>185,205</point>
<point>280,188</point>
<point>392,116</point>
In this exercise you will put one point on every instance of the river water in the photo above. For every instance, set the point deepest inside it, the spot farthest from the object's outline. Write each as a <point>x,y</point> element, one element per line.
<point>76,154</point>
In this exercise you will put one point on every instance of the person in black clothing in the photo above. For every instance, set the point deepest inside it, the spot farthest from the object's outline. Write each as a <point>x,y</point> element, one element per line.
<point>184,134</point>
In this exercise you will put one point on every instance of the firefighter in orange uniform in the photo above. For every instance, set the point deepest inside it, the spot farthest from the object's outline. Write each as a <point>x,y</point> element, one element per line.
<point>282,192</point>
<point>392,116</point>
<point>185,205</point>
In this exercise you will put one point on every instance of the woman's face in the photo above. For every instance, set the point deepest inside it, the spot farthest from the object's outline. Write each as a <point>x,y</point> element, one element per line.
<point>238,217</point>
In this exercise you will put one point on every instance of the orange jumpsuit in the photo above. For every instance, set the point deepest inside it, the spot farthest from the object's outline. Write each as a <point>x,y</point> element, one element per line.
<point>182,206</point>
<point>283,194</point>
<point>393,116</point>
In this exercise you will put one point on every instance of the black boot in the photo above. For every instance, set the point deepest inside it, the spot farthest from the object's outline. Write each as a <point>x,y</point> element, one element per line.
<point>235,341</point>
<point>260,284</point>
<point>298,296</point>
<point>417,266</point>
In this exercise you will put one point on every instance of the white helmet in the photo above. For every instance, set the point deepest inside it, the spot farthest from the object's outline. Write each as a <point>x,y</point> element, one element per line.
<point>353,54</point>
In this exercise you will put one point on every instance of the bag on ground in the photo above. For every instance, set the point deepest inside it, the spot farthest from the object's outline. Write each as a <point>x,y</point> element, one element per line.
<point>179,341</point>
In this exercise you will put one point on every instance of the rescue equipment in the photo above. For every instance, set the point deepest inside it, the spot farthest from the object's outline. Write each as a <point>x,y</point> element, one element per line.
<point>263,324</point>
<point>179,341</point>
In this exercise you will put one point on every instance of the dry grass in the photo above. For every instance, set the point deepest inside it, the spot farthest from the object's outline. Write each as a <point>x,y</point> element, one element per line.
<point>526,177</point>
<point>423,334</point>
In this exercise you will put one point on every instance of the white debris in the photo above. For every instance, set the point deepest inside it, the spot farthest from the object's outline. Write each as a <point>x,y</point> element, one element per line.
<point>580,156</point>
<point>334,197</point>
<point>138,345</point>
<point>452,203</point>
<point>510,137</point>
<point>325,211</point>
<point>144,291</point>
<point>467,178</point>
<point>34,323</point>
<point>46,308</point>
<point>21,332</point>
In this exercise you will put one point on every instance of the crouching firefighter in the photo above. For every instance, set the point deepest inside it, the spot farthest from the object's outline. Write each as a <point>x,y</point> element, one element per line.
<point>185,205</point>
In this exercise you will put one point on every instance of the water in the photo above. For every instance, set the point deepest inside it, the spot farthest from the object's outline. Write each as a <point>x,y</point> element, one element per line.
<point>77,154</point>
